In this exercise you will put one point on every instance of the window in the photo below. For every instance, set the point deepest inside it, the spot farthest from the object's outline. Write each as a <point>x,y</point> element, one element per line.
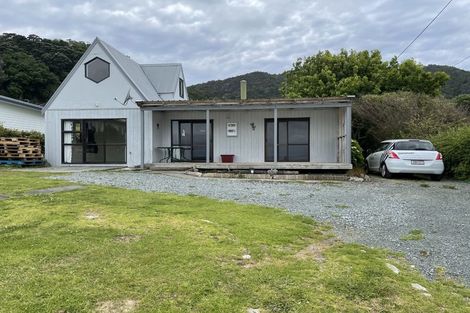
<point>414,145</point>
<point>94,141</point>
<point>97,70</point>
<point>181,87</point>
<point>192,135</point>
<point>292,140</point>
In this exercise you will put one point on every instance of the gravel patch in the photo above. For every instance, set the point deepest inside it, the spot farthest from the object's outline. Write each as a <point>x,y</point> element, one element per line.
<point>375,213</point>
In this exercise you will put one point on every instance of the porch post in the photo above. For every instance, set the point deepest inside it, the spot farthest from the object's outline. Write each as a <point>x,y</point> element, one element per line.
<point>208,137</point>
<point>275,133</point>
<point>142,139</point>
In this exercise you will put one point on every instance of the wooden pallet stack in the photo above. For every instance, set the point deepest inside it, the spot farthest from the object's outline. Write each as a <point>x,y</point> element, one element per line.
<point>20,151</point>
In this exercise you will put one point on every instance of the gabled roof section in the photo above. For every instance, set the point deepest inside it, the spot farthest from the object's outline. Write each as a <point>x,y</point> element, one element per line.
<point>133,70</point>
<point>20,103</point>
<point>164,77</point>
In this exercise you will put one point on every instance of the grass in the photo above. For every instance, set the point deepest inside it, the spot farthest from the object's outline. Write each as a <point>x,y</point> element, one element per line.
<point>424,185</point>
<point>169,253</point>
<point>415,234</point>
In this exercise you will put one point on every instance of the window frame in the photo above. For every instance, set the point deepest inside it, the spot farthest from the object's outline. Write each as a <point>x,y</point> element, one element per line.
<point>268,120</point>
<point>84,144</point>
<point>93,80</point>
<point>181,87</point>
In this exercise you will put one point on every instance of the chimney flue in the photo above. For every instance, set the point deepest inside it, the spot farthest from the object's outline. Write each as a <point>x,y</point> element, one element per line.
<point>243,89</point>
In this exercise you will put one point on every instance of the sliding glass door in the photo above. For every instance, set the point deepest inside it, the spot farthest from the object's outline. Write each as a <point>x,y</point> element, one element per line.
<point>94,141</point>
<point>191,135</point>
<point>292,140</point>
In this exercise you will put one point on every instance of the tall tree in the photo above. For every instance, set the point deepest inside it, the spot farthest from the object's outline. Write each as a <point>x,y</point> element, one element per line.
<point>357,73</point>
<point>31,68</point>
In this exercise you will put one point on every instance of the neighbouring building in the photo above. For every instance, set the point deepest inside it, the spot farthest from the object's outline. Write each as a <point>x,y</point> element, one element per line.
<point>20,115</point>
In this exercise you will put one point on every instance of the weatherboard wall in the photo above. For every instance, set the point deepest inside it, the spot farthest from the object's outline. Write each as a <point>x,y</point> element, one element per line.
<point>15,117</point>
<point>133,124</point>
<point>248,145</point>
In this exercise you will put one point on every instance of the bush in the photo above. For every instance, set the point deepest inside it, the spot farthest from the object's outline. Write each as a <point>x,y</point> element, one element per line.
<point>402,115</point>
<point>454,144</point>
<point>357,156</point>
<point>7,132</point>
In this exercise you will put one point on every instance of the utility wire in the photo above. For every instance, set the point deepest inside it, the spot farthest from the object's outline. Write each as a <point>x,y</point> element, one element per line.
<point>429,24</point>
<point>461,61</point>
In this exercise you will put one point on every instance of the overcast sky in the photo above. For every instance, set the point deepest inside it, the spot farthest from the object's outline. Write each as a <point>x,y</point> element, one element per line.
<point>216,39</point>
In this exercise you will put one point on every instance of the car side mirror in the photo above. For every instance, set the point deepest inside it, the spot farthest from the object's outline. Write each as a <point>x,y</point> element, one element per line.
<point>368,151</point>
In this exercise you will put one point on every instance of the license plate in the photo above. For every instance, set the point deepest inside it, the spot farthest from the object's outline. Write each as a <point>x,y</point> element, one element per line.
<point>417,162</point>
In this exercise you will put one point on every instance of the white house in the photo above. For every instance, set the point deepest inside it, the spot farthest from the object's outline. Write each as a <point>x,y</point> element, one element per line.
<point>111,110</point>
<point>20,115</point>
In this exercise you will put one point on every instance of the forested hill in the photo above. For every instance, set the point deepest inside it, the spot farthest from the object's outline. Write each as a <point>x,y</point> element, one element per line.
<point>265,85</point>
<point>459,82</point>
<point>259,85</point>
<point>31,68</point>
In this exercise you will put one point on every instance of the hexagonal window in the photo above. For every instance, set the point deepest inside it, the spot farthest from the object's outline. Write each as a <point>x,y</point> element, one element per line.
<point>97,70</point>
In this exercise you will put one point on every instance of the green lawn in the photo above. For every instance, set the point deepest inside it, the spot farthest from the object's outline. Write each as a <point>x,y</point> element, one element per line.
<point>110,250</point>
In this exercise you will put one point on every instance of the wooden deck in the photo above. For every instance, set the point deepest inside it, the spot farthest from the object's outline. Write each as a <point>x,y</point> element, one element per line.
<point>248,166</point>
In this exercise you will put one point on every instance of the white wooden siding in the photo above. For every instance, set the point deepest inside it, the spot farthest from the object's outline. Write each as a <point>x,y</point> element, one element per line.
<point>15,117</point>
<point>248,146</point>
<point>132,116</point>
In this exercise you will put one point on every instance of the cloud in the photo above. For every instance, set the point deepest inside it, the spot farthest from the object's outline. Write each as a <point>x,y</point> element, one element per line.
<point>216,39</point>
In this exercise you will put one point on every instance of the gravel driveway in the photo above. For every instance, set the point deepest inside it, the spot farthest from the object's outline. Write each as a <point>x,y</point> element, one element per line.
<point>375,213</point>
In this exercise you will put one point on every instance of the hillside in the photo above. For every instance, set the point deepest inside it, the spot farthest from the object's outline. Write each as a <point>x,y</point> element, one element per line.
<point>260,85</point>
<point>265,85</point>
<point>31,68</point>
<point>459,82</point>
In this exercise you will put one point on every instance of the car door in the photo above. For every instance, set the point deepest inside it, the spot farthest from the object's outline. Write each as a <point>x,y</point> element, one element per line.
<point>375,157</point>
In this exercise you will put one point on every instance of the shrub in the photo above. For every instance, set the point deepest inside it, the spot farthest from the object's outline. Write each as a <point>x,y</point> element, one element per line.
<point>402,115</point>
<point>7,132</point>
<point>357,156</point>
<point>454,144</point>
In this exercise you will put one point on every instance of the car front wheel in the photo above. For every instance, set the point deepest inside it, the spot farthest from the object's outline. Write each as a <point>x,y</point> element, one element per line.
<point>384,171</point>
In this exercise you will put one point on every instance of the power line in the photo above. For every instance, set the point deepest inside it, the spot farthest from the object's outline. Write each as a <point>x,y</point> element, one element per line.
<point>429,24</point>
<point>461,61</point>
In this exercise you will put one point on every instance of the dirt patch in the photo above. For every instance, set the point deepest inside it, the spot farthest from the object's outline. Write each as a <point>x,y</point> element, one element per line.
<point>91,215</point>
<point>117,306</point>
<point>316,250</point>
<point>127,238</point>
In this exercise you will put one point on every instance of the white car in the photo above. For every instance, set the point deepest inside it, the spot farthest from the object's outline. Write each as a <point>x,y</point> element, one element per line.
<point>410,156</point>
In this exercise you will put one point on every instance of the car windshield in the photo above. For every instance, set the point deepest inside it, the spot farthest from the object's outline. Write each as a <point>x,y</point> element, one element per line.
<point>414,145</point>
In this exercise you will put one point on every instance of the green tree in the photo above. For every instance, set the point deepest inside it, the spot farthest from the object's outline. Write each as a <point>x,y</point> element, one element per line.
<point>32,67</point>
<point>357,73</point>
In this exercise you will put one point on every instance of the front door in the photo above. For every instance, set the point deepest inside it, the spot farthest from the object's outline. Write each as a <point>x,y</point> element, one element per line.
<point>191,135</point>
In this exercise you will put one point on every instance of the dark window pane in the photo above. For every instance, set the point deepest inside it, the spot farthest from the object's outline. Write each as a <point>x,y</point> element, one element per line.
<point>94,131</point>
<point>94,154</point>
<point>115,154</point>
<point>298,132</point>
<point>282,155</point>
<point>175,138</point>
<point>199,134</point>
<point>269,142</point>
<point>282,132</point>
<point>298,153</point>
<point>185,134</point>
<point>115,131</point>
<point>97,70</point>
<point>73,154</point>
<point>414,145</point>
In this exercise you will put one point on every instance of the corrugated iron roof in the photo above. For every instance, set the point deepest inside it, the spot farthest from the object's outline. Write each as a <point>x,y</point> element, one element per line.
<point>20,103</point>
<point>134,71</point>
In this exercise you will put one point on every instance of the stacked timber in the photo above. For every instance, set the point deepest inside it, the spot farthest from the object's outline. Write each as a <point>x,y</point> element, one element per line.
<point>20,151</point>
